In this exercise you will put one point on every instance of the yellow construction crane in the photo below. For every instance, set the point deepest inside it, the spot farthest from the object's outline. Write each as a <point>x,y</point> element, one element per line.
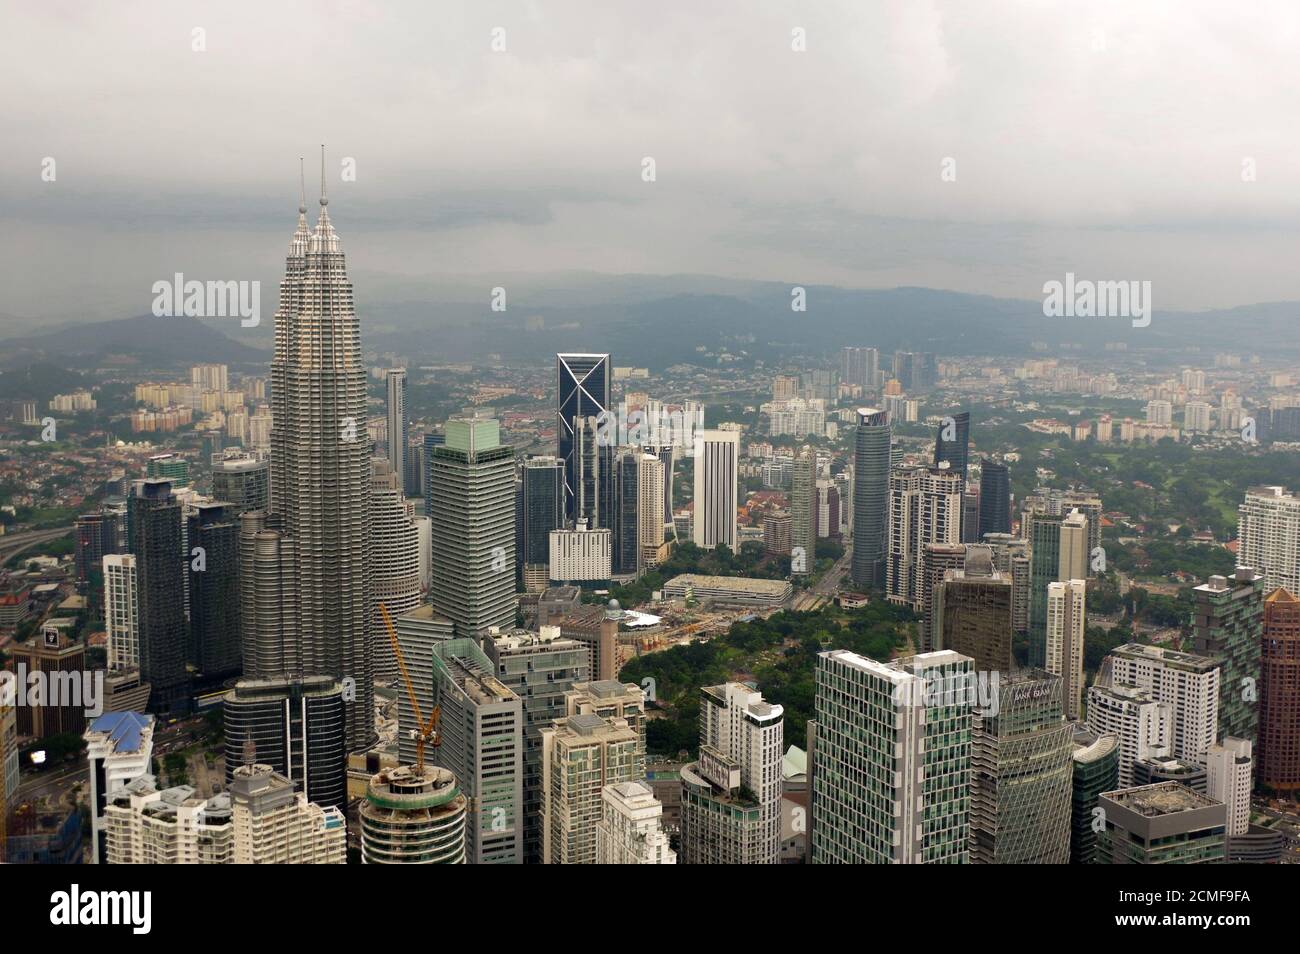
<point>426,731</point>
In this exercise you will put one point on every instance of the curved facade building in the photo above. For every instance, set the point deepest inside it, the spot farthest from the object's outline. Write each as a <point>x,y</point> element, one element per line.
<point>413,818</point>
<point>395,549</point>
<point>1096,770</point>
<point>294,726</point>
<point>871,445</point>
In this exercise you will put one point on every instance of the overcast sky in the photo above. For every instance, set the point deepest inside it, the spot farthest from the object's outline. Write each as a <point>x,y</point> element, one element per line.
<point>1106,138</point>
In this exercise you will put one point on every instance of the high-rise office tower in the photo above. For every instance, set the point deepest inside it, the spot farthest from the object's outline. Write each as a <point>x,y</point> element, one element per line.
<point>268,580</point>
<point>630,830</point>
<point>472,508</point>
<point>121,612</point>
<point>803,512</point>
<point>970,517</point>
<point>995,498</point>
<point>1230,772</point>
<point>1166,823</point>
<point>241,480</point>
<point>924,508</point>
<point>51,668</point>
<point>1278,750</point>
<point>431,440</point>
<point>542,510</point>
<point>1096,770</point>
<point>717,473</point>
<point>611,699</point>
<point>624,517</point>
<point>1142,723</point>
<point>650,508</point>
<point>731,796</point>
<point>870,497</point>
<point>413,816</point>
<point>482,743</point>
<point>398,421</point>
<point>952,444</point>
<point>596,628</point>
<point>1011,556</point>
<point>155,520</point>
<point>581,754</point>
<point>419,632</point>
<point>936,560</point>
<point>539,668</point>
<point>98,534</point>
<point>216,642</point>
<point>1268,534</point>
<point>320,462</point>
<point>395,552</point>
<point>973,608</point>
<point>1058,550</point>
<point>891,760</point>
<point>859,366</point>
<point>1189,684</point>
<point>119,750</point>
<point>1066,624</point>
<point>1021,774</point>
<point>296,726</point>
<point>1228,623</point>
<point>667,454</point>
<point>582,392</point>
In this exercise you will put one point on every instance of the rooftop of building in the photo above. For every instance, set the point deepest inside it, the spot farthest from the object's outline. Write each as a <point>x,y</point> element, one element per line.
<point>744,584</point>
<point>124,732</point>
<point>1163,798</point>
<point>1170,657</point>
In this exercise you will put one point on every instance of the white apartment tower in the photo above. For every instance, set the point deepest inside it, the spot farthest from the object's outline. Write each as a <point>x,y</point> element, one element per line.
<point>1066,612</point>
<point>1268,530</point>
<point>717,470</point>
<point>121,614</point>
<point>1229,769</point>
<point>1142,723</point>
<point>630,831</point>
<point>1187,683</point>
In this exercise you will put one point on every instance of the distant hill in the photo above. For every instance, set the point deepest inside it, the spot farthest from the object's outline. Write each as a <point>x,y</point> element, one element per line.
<point>145,341</point>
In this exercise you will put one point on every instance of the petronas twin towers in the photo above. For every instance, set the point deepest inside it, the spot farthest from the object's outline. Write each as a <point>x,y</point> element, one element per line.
<point>320,476</point>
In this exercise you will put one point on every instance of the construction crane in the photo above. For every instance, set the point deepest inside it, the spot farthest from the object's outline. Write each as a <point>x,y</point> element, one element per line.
<point>426,732</point>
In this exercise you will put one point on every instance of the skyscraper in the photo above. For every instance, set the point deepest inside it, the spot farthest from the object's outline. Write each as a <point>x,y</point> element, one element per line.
<point>1187,683</point>
<point>1228,623</point>
<point>581,754</point>
<point>803,511</point>
<point>395,552</point>
<point>1096,770</point>
<point>973,608</point>
<point>650,507</point>
<point>859,366</point>
<point>160,562</point>
<point>731,796</point>
<point>413,816</point>
<point>268,574</point>
<point>320,462</point>
<point>542,490</point>
<point>717,471</point>
<point>1066,624</point>
<point>1268,532</point>
<point>630,831</point>
<point>891,760</point>
<point>216,643</point>
<point>1021,774</point>
<point>1058,547</point>
<point>582,391</point>
<point>952,443</point>
<point>1167,823</point>
<point>870,497</point>
<point>398,422</point>
<point>472,508</point>
<point>1278,750</point>
<point>121,612</point>
<point>995,498</point>
<point>242,480</point>
<point>924,508</point>
<point>624,517</point>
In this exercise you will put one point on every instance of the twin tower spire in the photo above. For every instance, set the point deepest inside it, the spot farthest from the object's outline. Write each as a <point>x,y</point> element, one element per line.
<point>323,238</point>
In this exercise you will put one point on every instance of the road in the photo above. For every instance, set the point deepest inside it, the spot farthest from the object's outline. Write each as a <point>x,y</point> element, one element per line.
<point>15,543</point>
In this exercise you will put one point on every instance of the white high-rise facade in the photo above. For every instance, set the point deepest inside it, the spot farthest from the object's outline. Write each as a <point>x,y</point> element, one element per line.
<point>1229,768</point>
<point>1066,614</point>
<point>717,471</point>
<point>1187,683</point>
<point>395,379</point>
<point>650,508</point>
<point>1141,722</point>
<point>1268,533</point>
<point>924,508</point>
<point>631,831</point>
<point>121,613</point>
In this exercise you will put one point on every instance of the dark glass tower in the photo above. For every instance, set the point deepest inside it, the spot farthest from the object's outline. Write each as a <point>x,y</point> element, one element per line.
<point>582,385</point>
<point>870,496</point>
<point>995,498</point>
<point>626,548</point>
<point>541,510</point>
<point>215,646</point>
<point>954,451</point>
<point>160,561</point>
